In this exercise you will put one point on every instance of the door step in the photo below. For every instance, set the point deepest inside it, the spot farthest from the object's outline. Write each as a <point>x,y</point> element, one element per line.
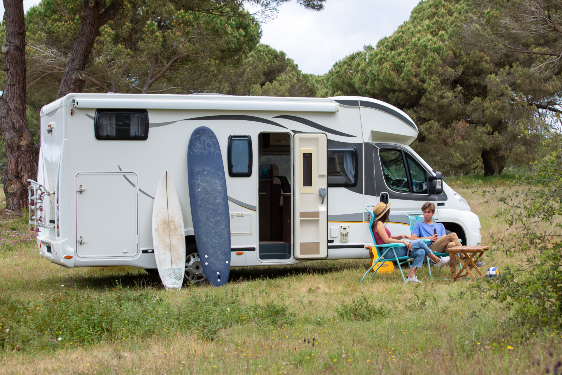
<point>279,250</point>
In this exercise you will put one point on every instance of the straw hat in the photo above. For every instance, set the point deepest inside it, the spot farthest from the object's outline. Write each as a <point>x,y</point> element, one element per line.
<point>380,209</point>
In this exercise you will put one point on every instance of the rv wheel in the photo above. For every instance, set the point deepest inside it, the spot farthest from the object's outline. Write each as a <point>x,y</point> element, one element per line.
<point>193,268</point>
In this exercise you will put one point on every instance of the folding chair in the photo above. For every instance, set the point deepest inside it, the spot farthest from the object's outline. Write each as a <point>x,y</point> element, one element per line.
<point>382,250</point>
<point>414,218</point>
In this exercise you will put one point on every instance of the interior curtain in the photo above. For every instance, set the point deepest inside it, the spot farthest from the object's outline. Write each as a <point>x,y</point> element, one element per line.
<point>349,165</point>
<point>107,124</point>
<point>135,130</point>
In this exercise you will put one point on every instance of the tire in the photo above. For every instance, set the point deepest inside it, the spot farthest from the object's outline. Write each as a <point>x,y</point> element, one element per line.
<point>193,269</point>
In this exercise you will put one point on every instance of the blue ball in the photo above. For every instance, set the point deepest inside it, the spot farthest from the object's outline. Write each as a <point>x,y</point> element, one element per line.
<point>493,272</point>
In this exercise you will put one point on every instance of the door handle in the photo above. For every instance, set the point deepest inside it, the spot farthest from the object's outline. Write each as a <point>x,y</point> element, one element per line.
<point>323,192</point>
<point>81,241</point>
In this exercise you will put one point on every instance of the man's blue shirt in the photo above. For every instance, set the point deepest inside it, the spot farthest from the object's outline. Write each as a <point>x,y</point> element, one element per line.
<point>425,230</point>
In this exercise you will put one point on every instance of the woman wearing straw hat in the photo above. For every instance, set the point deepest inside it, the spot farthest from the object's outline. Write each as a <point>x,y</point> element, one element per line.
<point>417,249</point>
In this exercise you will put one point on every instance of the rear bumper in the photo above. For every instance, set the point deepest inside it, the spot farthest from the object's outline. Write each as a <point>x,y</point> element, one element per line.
<point>55,251</point>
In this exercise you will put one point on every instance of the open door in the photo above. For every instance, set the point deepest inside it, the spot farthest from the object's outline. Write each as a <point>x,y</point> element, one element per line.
<point>310,188</point>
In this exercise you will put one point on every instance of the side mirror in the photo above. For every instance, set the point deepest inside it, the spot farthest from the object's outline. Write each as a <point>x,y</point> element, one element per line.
<point>435,184</point>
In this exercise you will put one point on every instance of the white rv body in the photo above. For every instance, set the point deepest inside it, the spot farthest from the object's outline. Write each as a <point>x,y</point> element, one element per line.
<point>99,194</point>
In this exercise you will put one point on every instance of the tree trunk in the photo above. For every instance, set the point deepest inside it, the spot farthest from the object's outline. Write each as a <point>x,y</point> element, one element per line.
<point>494,160</point>
<point>20,149</point>
<point>95,16</point>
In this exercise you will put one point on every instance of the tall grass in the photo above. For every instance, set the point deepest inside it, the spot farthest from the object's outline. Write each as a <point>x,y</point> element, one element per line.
<point>86,318</point>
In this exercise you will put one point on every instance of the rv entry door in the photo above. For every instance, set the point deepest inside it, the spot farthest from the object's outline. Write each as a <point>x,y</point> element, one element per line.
<point>106,205</point>
<point>310,189</point>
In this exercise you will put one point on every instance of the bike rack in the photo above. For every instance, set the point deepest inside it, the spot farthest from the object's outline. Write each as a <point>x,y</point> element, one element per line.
<point>35,199</point>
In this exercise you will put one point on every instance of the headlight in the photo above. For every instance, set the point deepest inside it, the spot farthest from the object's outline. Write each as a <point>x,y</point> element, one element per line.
<point>461,199</point>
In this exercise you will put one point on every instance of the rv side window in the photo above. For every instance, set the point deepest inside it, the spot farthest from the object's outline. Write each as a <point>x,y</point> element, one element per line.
<point>402,172</point>
<point>121,124</point>
<point>417,175</point>
<point>394,170</point>
<point>240,156</point>
<point>342,167</point>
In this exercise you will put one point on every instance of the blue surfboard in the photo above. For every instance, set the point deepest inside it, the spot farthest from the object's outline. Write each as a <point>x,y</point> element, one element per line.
<point>209,204</point>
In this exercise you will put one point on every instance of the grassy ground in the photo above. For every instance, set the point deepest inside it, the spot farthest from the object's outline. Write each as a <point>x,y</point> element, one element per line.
<point>509,176</point>
<point>313,317</point>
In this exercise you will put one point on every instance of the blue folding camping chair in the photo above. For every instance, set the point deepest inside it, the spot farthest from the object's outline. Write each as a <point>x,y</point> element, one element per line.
<point>383,250</point>
<point>414,218</point>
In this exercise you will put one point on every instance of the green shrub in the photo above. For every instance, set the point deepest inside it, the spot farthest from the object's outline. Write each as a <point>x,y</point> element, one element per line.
<point>534,294</point>
<point>361,309</point>
<point>532,207</point>
<point>533,210</point>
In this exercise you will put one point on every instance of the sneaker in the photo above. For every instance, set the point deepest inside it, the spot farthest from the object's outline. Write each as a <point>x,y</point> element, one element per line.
<point>413,279</point>
<point>443,261</point>
<point>480,264</point>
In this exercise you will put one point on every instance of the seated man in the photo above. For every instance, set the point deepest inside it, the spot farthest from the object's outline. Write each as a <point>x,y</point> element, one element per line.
<point>436,233</point>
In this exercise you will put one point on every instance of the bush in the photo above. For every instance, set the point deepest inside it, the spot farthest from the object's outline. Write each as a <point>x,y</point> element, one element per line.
<point>532,206</point>
<point>532,211</point>
<point>535,295</point>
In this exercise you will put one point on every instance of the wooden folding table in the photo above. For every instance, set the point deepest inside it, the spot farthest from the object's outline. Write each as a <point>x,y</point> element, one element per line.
<point>472,254</point>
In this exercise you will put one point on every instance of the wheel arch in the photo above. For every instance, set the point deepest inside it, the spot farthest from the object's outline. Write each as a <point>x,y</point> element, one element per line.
<point>458,229</point>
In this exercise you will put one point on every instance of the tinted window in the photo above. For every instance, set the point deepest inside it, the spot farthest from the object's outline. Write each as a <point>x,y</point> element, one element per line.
<point>121,124</point>
<point>307,169</point>
<point>394,170</point>
<point>417,175</point>
<point>239,156</point>
<point>342,167</point>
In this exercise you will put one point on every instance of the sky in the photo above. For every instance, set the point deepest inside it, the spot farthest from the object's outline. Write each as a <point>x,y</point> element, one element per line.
<point>317,40</point>
<point>26,5</point>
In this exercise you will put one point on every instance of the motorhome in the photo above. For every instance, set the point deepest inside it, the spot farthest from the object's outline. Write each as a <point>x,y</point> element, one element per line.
<point>299,172</point>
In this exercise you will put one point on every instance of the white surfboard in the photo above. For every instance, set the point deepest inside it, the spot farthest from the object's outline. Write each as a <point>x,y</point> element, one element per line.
<point>168,234</point>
